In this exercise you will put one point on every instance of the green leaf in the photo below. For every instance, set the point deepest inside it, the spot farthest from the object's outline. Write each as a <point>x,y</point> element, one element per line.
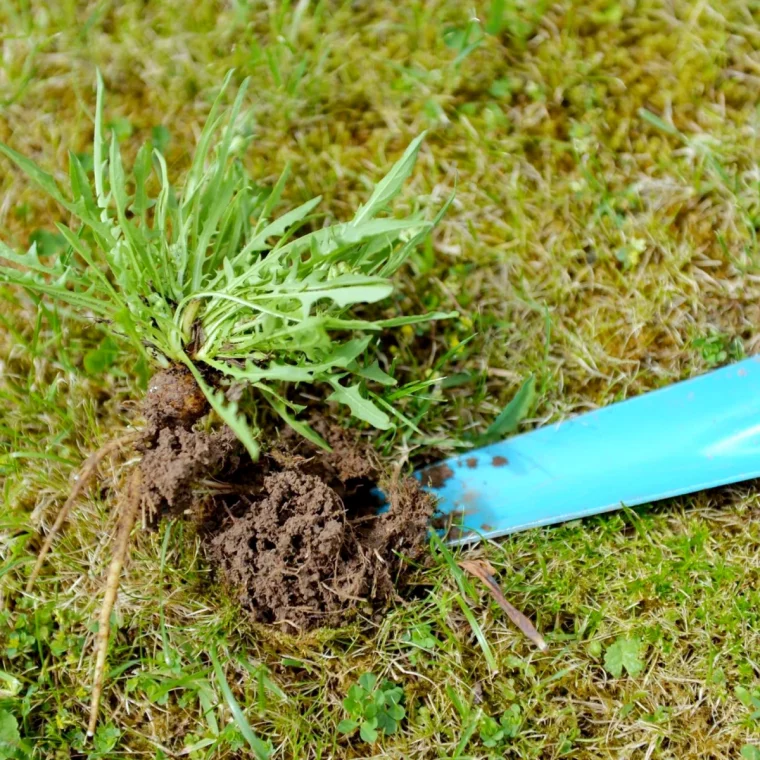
<point>261,749</point>
<point>98,360</point>
<point>99,166</point>
<point>198,166</point>
<point>43,179</point>
<point>512,414</point>
<point>9,734</point>
<point>376,374</point>
<point>347,726</point>
<point>280,225</point>
<point>141,172</point>
<point>388,187</point>
<point>227,410</point>
<point>48,243</point>
<point>160,137</point>
<point>338,323</point>
<point>750,752</point>
<point>624,654</point>
<point>368,681</point>
<point>274,197</point>
<point>80,183</point>
<point>368,731</point>
<point>105,738</point>
<point>744,696</point>
<point>12,746</point>
<point>362,408</point>
<point>298,425</point>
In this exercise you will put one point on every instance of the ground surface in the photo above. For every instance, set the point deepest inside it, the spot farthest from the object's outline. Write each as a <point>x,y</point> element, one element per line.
<point>606,248</point>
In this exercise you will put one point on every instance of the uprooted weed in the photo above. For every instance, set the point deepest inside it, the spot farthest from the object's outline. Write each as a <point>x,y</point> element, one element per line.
<point>221,301</point>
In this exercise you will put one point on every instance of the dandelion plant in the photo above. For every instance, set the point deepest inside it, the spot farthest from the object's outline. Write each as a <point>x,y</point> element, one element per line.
<point>203,276</point>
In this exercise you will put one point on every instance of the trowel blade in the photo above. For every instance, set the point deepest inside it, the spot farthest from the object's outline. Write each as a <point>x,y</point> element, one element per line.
<point>696,434</point>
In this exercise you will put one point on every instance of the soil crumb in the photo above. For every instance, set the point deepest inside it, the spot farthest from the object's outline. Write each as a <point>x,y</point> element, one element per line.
<point>177,461</point>
<point>436,476</point>
<point>304,545</point>
<point>471,462</point>
<point>175,455</point>
<point>173,400</point>
<point>499,461</point>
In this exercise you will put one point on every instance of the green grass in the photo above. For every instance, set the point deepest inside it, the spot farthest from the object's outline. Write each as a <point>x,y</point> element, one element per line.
<point>603,239</point>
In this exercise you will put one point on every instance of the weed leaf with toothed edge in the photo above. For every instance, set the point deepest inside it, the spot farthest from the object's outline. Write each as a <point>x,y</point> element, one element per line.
<point>360,407</point>
<point>390,186</point>
<point>206,275</point>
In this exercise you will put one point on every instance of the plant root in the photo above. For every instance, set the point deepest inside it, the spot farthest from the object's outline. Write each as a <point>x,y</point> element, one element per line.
<point>126,523</point>
<point>88,470</point>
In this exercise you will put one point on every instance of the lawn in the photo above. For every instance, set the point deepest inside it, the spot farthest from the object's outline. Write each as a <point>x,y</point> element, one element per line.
<point>605,157</point>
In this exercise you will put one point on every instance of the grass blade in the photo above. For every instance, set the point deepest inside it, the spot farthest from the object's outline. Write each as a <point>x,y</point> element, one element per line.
<point>512,414</point>
<point>461,582</point>
<point>260,748</point>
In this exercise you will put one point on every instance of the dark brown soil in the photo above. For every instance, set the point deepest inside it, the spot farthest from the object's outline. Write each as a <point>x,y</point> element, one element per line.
<point>173,400</point>
<point>175,455</point>
<point>309,547</point>
<point>297,536</point>
<point>177,461</point>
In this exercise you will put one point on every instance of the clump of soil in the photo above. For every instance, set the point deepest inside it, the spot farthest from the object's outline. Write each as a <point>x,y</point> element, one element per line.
<point>296,535</point>
<point>173,400</point>
<point>309,547</point>
<point>175,455</point>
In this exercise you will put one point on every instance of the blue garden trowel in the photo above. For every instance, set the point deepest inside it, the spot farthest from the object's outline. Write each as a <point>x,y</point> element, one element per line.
<point>693,435</point>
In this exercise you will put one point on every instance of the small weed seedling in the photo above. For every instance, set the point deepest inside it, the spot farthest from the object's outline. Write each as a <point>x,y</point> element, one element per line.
<point>717,349</point>
<point>495,733</point>
<point>624,654</point>
<point>372,709</point>
<point>223,301</point>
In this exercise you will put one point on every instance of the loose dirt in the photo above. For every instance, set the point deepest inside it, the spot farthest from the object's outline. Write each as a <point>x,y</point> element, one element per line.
<point>307,547</point>
<point>175,455</point>
<point>297,536</point>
